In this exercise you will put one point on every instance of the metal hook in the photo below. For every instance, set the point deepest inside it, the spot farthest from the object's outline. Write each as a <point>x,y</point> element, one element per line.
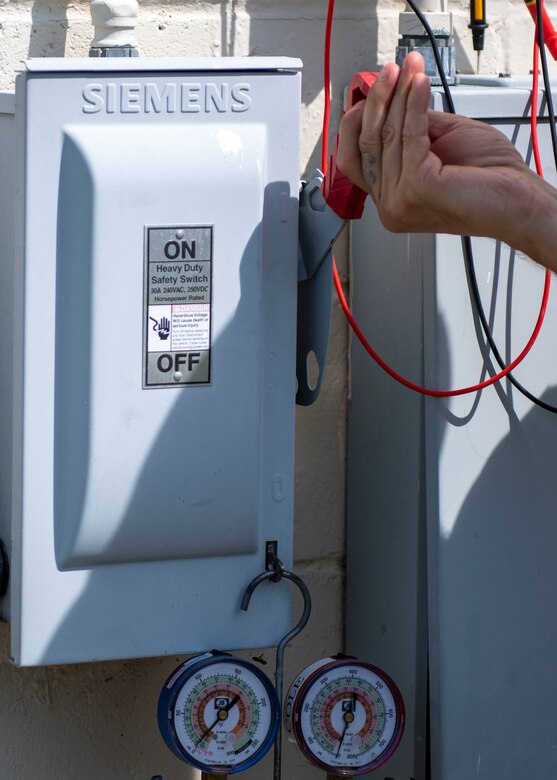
<point>277,573</point>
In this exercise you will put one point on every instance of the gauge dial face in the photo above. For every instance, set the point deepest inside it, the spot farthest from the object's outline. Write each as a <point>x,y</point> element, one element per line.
<point>348,717</point>
<point>224,715</point>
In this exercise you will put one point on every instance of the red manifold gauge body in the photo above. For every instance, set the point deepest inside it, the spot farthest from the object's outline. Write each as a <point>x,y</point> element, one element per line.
<point>346,715</point>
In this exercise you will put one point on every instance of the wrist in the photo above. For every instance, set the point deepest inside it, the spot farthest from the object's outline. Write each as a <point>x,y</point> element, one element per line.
<point>535,230</point>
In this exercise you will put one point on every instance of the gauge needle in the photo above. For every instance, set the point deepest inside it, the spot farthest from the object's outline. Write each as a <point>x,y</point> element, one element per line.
<point>342,736</point>
<point>348,718</point>
<point>221,715</point>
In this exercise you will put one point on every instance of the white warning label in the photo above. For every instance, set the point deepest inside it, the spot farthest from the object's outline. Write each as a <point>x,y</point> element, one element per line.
<point>191,326</point>
<point>177,306</point>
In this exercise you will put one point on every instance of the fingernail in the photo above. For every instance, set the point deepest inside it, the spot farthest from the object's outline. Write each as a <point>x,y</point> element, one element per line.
<point>383,75</point>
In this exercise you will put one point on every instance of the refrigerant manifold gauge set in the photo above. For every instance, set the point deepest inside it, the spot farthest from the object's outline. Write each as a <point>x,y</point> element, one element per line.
<point>218,713</point>
<point>221,714</point>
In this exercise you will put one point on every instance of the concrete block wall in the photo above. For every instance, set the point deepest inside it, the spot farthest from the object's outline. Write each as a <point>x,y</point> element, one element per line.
<point>96,721</point>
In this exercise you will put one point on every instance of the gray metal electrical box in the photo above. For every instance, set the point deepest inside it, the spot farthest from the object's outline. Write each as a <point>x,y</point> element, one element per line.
<point>149,270</point>
<point>452,527</point>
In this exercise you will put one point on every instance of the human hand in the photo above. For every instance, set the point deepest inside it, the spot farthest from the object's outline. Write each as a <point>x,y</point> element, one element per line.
<point>433,172</point>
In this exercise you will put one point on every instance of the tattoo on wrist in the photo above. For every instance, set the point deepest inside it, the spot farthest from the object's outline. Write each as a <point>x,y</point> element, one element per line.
<point>369,167</point>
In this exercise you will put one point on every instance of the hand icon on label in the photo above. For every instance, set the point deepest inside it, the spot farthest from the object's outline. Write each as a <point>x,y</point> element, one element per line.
<point>162,327</point>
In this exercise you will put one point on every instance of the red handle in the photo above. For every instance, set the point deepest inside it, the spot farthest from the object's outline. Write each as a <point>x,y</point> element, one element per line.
<point>549,34</point>
<point>341,195</point>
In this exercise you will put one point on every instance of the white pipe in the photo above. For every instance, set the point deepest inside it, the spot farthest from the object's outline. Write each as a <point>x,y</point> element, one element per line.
<point>114,22</point>
<point>435,11</point>
<point>427,6</point>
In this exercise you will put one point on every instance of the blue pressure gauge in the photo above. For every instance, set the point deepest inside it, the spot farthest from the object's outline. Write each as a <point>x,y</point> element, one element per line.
<point>218,713</point>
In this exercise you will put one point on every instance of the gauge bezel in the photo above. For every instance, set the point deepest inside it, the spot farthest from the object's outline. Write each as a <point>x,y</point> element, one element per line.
<point>299,701</point>
<point>169,695</point>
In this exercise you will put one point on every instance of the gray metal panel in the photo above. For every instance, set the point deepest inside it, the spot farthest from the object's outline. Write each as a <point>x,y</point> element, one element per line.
<point>386,608</point>
<point>489,103</point>
<point>149,606</point>
<point>161,64</point>
<point>7,253</point>
<point>7,104</point>
<point>491,530</point>
<point>169,473</point>
<point>492,534</point>
<point>486,466</point>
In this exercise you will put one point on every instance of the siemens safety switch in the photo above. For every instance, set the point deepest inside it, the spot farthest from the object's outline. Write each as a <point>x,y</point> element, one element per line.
<point>149,302</point>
